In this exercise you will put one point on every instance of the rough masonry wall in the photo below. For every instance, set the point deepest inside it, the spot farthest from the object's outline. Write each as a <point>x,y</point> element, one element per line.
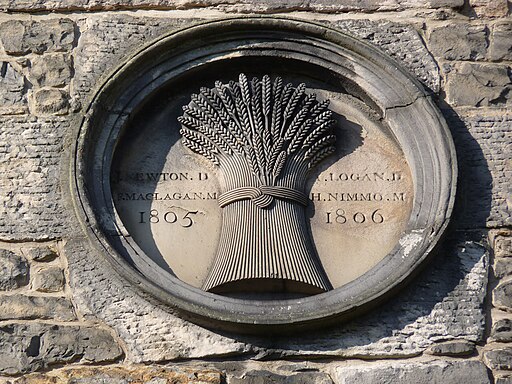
<point>65,315</point>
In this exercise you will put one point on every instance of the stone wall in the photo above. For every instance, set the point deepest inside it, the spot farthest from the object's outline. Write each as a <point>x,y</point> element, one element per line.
<point>65,315</point>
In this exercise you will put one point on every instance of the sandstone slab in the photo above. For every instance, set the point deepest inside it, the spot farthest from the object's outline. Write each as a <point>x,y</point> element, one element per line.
<point>482,140</point>
<point>503,379</point>
<point>503,245</point>
<point>502,295</point>
<point>501,41</point>
<point>51,70</point>
<point>458,41</point>
<point>40,254</point>
<point>264,6</point>
<point>433,372</point>
<point>30,165</point>
<point>22,37</point>
<point>51,101</point>
<point>452,348</point>
<point>502,267</point>
<point>13,99</point>
<point>499,358</point>
<point>116,374</point>
<point>19,306</point>
<point>13,271</point>
<point>48,279</point>
<point>30,347</point>
<point>479,85</point>
<point>267,377</point>
<point>502,331</point>
<point>490,8</point>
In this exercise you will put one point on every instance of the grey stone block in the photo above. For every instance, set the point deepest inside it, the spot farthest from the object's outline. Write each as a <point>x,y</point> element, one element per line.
<point>29,347</point>
<point>230,5</point>
<point>459,41</point>
<point>48,279</point>
<point>500,358</point>
<point>452,348</point>
<point>118,374</point>
<point>30,194</point>
<point>51,70</point>
<point>479,85</point>
<point>41,254</point>
<point>503,246</point>
<point>501,41</point>
<point>266,377</point>
<point>433,372</point>
<point>51,35</point>
<point>13,271</point>
<point>503,379</point>
<point>482,140</point>
<point>51,101</point>
<point>502,331</point>
<point>19,306</point>
<point>502,267</point>
<point>13,99</point>
<point>502,295</point>
<point>489,8</point>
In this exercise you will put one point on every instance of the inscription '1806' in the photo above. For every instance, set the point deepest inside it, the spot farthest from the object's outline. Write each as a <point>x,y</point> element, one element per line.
<point>342,217</point>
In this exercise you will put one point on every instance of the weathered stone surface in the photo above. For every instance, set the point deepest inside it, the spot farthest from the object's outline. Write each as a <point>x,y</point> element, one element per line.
<point>22,37</point>
<point>502,331</point>
<point>13,99</point>
<point>432,372</point>
<point>452,348</point>
<point>150,332</point>
<point>229,5</point>
<point>50,101</point>
<point>401,42</point>
<point>107,41</point>
<point>499,358</point>
<point>444,303</point>
<point>503,245</point>
<point>13,271</point>
<point>48,279</point>
<point>51,70</point>
<point>30,347</point>
<point>266,377</point>
<point>30,191</point>
<point>35,307</point>
<point>501,41</point>
<point>502,295</point>
<point>489,8</point>
<point>482,141</point>
<point>503,379</point>
<point>40,254</point>
<point>502,267</point>
<point>124,375</point>
<point>458,41</point>
<point>478,85</point>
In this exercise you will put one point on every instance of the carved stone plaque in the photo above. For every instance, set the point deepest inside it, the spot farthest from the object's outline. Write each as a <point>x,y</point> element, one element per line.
<point>265,172</point>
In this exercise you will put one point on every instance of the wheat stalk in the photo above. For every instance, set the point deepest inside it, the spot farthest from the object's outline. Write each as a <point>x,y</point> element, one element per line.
<point>261,121</point>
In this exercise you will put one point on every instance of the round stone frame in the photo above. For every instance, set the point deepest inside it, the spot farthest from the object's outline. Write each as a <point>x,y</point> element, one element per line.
<point>406,107</point>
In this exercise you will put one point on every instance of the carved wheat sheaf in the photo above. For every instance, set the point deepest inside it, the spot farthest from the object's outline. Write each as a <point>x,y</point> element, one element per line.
<point>264,136</point>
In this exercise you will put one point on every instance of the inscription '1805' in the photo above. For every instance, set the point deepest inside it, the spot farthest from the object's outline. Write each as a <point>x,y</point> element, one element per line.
<point>155,216</point>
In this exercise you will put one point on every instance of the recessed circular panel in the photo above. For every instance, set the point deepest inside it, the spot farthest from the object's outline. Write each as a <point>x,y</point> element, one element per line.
<point>264,172</point>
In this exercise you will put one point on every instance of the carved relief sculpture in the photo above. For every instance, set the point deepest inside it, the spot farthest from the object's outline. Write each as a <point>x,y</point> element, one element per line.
<point>264,136</point>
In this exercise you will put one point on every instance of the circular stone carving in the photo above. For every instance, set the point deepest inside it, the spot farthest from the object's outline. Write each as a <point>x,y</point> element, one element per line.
<point>264,173</point>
